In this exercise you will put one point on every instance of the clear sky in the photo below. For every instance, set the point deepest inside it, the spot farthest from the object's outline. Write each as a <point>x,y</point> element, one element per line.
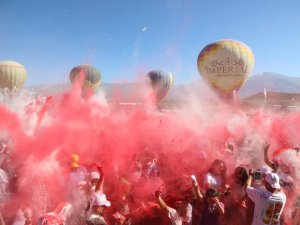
<point>124,38</point>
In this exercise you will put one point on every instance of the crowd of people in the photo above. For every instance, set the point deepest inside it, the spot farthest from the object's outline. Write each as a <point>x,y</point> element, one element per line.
<point>151,191</point>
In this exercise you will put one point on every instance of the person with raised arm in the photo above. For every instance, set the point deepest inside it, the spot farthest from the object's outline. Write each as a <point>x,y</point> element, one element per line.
<point>269,203</point>
<point>97,203</point>
<point>213,208</point>
<point>281,168</point>
<point>176,214</point>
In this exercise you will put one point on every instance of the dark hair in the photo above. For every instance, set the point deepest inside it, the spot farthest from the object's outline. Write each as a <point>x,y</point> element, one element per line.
<point>241,175</point>
<point>218,162</point>
<point>212,193</point>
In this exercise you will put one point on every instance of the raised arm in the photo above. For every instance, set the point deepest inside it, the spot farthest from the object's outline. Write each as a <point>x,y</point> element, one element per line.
<point>249,180</point>
<point>196,188</point>
<point>1,220</point>
<point>220,206</point>
<point>99,186</point>
<point>273,165</point>
<point>266,158</point>
<point>164,207</point>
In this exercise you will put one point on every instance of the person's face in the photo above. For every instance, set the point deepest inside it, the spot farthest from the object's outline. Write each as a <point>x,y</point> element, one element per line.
<point>94,182</point>
<point>218,168</point>
<point>181,207</point>
<point>267,185</point>
<point>211,200</point>
<point>98,209</point>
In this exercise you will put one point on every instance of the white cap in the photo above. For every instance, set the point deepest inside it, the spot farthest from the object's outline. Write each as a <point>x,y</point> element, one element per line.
<point>265,169</point>
<point>100,199</point>
<point>94,175</point>
<point>273,180</point>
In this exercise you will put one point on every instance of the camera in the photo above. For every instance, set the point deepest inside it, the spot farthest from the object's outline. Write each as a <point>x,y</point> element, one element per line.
<point>257,174</point>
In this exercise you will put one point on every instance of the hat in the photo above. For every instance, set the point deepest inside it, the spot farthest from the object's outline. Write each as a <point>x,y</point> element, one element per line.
<point>94,175</point>
<point>273,180</point>
<point>100,199</point>
<point>265,169</point>
<point>74,161</point>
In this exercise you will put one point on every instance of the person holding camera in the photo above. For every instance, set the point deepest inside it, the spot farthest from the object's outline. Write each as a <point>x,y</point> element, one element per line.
<point>269,203</point>
<point>213,209</point>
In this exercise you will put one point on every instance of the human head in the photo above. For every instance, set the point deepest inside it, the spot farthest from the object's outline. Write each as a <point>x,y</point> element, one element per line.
<point>272,182</point>
<point>211,194</point>
<point>240,175</point>
<point>94,176</point>
<point>100,202</point>
<point>181,206</point>
<point>218,167</point>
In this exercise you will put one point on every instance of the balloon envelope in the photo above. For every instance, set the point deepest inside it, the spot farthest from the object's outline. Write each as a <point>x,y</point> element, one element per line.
<point>225,65</point>
<point>90,75</point>
<point>12,75</point>
<point>161,82</point>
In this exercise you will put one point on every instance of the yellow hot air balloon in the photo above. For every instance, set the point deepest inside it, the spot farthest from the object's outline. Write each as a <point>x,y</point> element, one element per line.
<point>12,75</point>
<point>91,76</point>
<point>225,65</point>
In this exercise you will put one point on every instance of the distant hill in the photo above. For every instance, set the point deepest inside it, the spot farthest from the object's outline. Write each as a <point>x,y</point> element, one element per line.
<point>272,82</point>
<point>274,101</point>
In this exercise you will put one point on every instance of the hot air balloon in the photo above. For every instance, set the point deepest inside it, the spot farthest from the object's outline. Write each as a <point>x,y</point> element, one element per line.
<point>91,77</point>
<point>161,82</point>
<point>12,75</point>
<point>225,65</point>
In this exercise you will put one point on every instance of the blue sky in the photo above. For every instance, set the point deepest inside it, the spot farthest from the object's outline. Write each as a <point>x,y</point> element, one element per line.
<point>126,38</point>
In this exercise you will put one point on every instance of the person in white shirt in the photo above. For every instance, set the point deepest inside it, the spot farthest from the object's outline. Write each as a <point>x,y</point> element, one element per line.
<point>5,179</point>
<point>97,203</point>
<point>176,215</point>
<point>281,168</point>
<point>215,178</point>
<point>269,203</point>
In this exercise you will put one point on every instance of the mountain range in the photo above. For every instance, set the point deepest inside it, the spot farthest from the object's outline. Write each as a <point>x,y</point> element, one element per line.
<point>272,82</point>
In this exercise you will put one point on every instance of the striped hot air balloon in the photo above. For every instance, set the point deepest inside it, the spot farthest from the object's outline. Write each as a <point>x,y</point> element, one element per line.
<point>161,82</point>
<point>90,75</point>
<point>12,75</point>
<point>225,65</point>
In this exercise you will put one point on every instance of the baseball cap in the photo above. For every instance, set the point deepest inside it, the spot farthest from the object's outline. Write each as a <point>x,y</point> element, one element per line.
<point>273,180</point>
<point>100,199</point>
<point>265,169</point>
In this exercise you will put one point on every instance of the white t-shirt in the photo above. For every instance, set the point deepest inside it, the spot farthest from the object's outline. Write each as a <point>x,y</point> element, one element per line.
<point>20,218</point>
<point>188,216</point>
<point>268,206</point>
<point>213,181</point>
<point>174,217</point>
<point>4,183</point>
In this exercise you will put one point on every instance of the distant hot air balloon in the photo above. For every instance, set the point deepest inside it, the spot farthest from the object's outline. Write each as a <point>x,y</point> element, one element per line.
<point>12,75</point>
<point>225,65</point>
<point>161,82</point>
<point>89,74</point>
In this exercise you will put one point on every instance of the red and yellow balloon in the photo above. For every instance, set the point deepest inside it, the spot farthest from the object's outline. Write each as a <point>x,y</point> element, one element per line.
<point>225,66</point>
